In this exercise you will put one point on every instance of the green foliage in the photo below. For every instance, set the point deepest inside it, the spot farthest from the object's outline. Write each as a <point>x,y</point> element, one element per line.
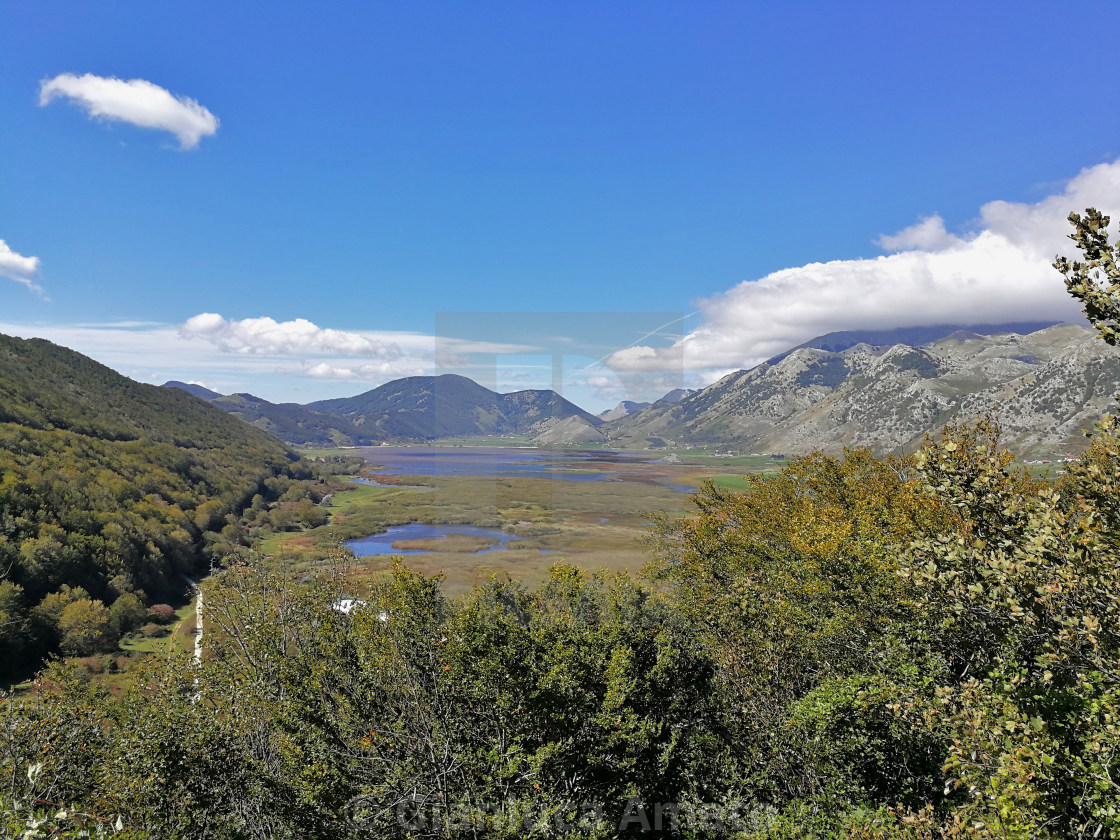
<point>13,618</point>
<point>112,486</point>
<point>85,629</point>
<point>923,647</point>
<point>127,614</point>
<point>852,647</point>
<point>1022,604</point>
<point>1095,282</point>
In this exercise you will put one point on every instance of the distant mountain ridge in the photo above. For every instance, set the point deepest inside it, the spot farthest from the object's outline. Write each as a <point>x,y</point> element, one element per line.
<point>409,409</point>
<point>290,422</point>
<point>621,410</point>
<point>432,407</point>
<point>911,336</point>
<point>1046,386</point>
<point>1047,382</point>
<point>191,388</point>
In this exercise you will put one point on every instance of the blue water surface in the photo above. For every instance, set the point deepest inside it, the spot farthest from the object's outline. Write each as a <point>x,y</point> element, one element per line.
<point>383,543</point>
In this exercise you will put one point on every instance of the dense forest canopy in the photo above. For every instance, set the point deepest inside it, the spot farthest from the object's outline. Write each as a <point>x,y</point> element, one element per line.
<point>109,488</point>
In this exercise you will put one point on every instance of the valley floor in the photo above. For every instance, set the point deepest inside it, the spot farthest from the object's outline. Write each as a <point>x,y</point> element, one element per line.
<point>598,523</point>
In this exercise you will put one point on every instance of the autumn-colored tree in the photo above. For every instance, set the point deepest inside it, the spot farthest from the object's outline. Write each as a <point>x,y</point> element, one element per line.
<point>796,583</point>
<point>85,628</point>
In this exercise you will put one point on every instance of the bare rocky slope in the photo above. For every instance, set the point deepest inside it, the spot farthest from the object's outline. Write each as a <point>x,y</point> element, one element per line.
<point>1046,387</point>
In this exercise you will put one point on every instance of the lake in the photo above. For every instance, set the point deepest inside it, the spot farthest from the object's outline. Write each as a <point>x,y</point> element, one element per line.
<point>383,543</point>
<point>600,482</point>
<point>559,465</point>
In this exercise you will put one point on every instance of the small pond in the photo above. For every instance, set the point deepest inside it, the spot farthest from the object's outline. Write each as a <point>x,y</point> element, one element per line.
<point>383,543</point>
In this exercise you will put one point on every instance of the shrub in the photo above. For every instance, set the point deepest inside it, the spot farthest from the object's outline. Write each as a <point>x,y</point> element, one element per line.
<point>154,631</point>
<point>161,613</point>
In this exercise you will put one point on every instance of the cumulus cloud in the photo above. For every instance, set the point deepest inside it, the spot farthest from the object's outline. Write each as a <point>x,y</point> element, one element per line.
<point>372,372</point>
<point>1000,272</point>
<point>270,337</point>
<point>135,101</point>
<point>18,267</point>
<point>927,235</point>
<point>156,353</point>
<point>607,387</point>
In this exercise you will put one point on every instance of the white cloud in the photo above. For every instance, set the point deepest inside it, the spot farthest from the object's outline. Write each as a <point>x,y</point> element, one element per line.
<point>370,372</point>
<point>155,352</point>
<point>18,267</point>
<point>152,352</point>
<point>927,235</point>
<point>1002,272</point>
<point>607,387</point>
<point>325,370</point>
<point>270,337</point>
<point>135,101</point>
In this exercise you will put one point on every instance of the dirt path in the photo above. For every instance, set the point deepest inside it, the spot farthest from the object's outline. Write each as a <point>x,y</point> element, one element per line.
<point>197,590</point>
<point>198,627</point>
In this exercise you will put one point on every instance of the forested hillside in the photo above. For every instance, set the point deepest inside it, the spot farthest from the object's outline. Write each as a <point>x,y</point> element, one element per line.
<point>912,648</point>
<point>294,424</point>
<point>111,492</point>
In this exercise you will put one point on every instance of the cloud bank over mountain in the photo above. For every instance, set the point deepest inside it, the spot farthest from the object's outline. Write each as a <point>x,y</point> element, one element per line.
<point>136,101</point>
<point>1000,271</point>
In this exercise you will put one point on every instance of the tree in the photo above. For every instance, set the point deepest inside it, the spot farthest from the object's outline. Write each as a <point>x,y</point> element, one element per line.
<point>48,612</point>
<point>84,627</point>
<point>126,614</point>
<point>1095,282</point>
<point>13,624</point>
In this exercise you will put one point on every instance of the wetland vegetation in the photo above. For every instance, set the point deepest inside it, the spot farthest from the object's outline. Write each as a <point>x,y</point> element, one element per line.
<point>588,507</point>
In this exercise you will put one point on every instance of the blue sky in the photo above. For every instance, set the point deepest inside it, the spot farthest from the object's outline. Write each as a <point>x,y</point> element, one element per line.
<point>374,165</point>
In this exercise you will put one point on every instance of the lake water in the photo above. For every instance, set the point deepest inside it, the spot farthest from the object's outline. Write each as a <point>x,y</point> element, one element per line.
<point>563,465</point>
<point>383,543</point>
<point>580,465</point>
<point>373,482</point>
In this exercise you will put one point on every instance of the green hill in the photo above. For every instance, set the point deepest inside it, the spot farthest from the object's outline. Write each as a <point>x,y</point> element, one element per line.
<point>432,407</point>
<point>108,487</point>
<point>289,422</point>
<point>294,423</point>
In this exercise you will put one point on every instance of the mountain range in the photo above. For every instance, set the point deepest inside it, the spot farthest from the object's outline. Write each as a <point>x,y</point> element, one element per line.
<point>410,409</point>
<point>882,389</point>
<point>1046,387</point>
